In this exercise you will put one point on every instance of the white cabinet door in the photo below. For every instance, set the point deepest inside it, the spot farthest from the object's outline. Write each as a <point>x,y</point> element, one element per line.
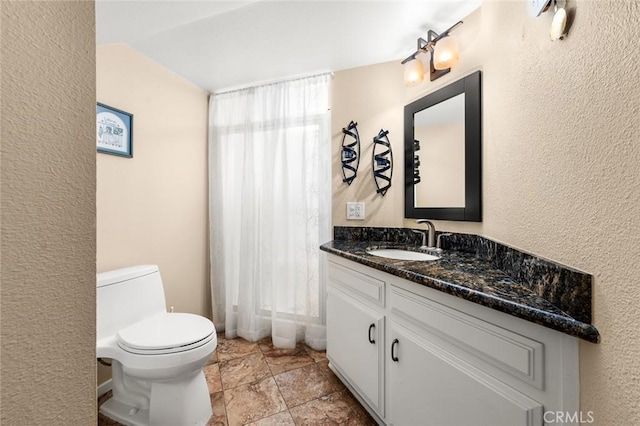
<point>355,345</point>
<point>430,386</point>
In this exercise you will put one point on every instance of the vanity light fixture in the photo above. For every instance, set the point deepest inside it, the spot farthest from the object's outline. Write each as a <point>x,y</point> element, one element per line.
<point>444,54</point>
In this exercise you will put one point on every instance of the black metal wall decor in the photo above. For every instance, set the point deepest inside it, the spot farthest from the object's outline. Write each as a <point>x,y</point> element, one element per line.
<point>416,162</point>
<point>350,155</point>
<point>382,162</point>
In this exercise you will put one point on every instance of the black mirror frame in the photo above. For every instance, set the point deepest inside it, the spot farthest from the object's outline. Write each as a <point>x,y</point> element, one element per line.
<point>472,212</point>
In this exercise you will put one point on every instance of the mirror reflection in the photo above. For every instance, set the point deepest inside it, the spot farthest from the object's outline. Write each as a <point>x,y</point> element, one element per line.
<point>440,130</point>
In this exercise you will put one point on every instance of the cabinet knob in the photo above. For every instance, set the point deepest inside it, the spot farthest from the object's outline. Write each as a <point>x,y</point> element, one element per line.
<point>394,358</point>
<point>372,341</point>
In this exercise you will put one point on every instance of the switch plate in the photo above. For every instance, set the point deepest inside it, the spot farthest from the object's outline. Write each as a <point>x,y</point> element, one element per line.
<point>355,211</point>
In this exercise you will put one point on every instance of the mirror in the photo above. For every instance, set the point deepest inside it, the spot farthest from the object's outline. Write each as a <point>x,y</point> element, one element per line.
<point>442,136</point>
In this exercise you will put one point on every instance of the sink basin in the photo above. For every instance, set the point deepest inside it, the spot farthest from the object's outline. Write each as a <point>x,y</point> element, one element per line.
<point>400,254</point>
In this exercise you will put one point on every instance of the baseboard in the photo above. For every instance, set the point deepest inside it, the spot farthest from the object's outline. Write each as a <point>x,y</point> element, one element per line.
<point>104,388</point>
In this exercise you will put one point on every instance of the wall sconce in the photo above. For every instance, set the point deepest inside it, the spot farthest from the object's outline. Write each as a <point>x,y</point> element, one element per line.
<point>444,54</point>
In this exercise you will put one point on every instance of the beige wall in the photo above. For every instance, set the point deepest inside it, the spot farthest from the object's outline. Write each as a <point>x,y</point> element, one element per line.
<point>374,98</point>
<point>561,125</point>
<point>152,209</point>
<point>48,213</point>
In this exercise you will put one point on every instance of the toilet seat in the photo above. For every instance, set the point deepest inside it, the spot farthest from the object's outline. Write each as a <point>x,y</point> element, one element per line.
<point>166,333</point>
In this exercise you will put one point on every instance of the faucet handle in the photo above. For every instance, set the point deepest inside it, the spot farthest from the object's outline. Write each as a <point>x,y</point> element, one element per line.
<point>438,244</point>
<point>424,236</point>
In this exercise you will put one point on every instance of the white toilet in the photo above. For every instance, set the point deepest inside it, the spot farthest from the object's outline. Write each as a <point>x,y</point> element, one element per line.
<point>157,357</point>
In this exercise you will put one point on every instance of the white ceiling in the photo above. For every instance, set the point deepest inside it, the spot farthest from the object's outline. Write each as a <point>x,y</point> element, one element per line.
<point>220,45</point>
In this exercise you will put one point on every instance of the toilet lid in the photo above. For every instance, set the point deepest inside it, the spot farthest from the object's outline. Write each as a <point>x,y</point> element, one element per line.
<point>166,333</point>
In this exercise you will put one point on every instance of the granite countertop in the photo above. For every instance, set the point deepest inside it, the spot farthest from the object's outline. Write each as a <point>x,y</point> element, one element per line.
<point>478,280</point>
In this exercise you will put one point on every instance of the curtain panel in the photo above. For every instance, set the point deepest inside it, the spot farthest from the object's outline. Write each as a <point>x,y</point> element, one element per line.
<point>270,209</point>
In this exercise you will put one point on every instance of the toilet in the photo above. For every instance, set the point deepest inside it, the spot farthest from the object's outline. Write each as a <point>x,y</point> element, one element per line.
<point>156,356</point>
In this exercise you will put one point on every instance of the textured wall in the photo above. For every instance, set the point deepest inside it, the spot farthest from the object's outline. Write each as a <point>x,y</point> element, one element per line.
<point>560,162</point>
<point>48,213</point>
<point>153,208</point>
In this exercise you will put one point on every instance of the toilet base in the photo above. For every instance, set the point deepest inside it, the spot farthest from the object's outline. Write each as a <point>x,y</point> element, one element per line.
<point>184,401</point>
<point>125,414</point>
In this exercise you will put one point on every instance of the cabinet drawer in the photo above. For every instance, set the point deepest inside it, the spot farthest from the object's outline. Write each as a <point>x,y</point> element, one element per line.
<point>357,283</point>
<point>512,353</point>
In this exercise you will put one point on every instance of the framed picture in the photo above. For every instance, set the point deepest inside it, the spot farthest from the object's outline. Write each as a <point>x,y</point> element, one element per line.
<point>114,131</point>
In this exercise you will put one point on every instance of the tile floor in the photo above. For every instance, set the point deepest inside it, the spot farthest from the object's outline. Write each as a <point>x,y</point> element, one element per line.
<point>257,384</point>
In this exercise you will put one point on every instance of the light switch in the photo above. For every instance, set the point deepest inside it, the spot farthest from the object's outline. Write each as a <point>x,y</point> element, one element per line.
<point>355,211</point>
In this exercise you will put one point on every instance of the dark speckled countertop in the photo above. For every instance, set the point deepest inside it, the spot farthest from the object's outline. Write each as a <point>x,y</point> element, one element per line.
<point>482,271</point>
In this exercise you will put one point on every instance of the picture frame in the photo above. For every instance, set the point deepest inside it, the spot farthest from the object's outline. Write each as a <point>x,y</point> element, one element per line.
<point>114,131</point>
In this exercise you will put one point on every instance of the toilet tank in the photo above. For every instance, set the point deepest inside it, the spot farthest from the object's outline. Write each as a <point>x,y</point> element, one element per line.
<point>126,296</point>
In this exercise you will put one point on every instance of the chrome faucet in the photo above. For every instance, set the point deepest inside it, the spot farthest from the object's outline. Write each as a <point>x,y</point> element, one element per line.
<point>432,235</point>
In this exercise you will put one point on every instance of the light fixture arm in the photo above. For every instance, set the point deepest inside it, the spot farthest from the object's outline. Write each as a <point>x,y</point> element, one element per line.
<point>434,36</point>
<point>423,47</point>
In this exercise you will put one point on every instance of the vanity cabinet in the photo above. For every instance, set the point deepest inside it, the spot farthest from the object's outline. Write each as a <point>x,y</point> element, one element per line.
<point>357,333</point>
<point>441,360</point>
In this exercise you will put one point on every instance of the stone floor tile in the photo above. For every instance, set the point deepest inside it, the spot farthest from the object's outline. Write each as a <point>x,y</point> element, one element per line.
<point>303,385</point>
<point>361,413</point>
<point>235,348</point>
<point>241,371</point>
<point>281,419</point>
<point>248,403</point>
<point>219,417</point>
<point>281,360</point>
<point>332,409</point>
<point>214,358</point>
<point>336,383</point>
<point>317,356</point>
<point>212,374</point>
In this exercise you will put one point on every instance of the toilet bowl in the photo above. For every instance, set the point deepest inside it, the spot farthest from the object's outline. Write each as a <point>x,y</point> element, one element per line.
<point>157,357</point>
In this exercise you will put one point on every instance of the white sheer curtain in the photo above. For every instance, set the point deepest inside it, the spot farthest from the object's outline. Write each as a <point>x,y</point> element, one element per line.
<point>270,205</point>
